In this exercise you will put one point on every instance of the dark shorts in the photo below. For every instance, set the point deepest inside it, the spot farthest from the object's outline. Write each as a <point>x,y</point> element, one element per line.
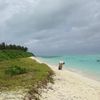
<point>60,67</point>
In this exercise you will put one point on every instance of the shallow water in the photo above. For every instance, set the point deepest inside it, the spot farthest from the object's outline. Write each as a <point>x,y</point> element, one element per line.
<point>86,64</point>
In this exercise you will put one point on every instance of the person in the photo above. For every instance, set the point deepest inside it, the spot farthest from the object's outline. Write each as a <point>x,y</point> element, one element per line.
<point>61,63</point>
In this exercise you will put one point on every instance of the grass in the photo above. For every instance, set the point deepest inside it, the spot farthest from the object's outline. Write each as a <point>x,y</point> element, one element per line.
<point>13,54</point>
<point>15,70</point>
<point>35,72</point>
<point>18,71</point>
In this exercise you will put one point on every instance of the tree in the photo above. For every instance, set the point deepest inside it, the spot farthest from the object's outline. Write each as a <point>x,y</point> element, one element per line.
<point>2,46</point>
<point>12,47</point>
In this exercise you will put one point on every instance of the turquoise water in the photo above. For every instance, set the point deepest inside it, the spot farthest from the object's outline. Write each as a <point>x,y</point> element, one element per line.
<point>86,64</point>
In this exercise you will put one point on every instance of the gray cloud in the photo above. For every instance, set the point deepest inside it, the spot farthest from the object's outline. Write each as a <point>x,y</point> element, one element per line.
<point>52,27</point>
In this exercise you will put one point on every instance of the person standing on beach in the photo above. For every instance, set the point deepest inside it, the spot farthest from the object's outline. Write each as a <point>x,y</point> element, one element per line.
<point>61,63</point>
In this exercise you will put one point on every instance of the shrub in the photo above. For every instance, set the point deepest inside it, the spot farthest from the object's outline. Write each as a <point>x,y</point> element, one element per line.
<point>15,70</point>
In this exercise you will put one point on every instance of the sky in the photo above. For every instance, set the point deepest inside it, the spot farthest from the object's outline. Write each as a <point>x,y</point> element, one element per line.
<point>52,27</point>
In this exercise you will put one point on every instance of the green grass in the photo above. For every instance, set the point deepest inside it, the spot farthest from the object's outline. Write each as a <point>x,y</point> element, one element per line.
<point>35,72</point>
<point>15,70</point>
<point>18,71</point>
<point>12,54</point>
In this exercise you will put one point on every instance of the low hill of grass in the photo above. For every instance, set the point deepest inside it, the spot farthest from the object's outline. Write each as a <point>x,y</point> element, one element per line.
<point>13,54</point>
<point>18,71</point>
<point>25,74</point>
<point>12,51</point>
<point>34,72</point>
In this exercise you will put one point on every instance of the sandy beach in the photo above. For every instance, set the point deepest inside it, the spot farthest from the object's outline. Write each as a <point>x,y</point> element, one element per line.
<point>70,86</point>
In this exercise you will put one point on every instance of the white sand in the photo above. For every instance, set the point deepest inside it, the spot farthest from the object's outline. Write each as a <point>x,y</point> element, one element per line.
<point>71,86</point>
<point>12,95</point>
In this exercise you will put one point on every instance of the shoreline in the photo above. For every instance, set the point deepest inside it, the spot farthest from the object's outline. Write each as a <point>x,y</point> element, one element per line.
<point>70,85</point>
<point>74,71</point>
<point>83,74</point>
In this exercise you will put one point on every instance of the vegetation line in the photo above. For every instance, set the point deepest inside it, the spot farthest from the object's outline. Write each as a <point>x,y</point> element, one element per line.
<point>4,46</point>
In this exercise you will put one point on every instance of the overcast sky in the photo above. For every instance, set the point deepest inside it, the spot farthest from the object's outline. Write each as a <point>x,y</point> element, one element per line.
<point>52,27</point>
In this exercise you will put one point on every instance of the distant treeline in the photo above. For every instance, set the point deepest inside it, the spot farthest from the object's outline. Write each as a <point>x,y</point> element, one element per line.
<point>4,46</point>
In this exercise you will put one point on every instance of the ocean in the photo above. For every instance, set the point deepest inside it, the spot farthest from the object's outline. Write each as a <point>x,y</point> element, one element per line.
<point>88,65</point>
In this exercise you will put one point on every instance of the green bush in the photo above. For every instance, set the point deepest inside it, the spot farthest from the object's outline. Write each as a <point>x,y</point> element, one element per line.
<point>15,70</point>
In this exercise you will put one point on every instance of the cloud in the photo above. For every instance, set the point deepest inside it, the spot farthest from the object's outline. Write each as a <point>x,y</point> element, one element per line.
<point>52,27</point>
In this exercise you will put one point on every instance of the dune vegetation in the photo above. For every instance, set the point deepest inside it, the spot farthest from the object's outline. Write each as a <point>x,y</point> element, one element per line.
<point>18,70</point>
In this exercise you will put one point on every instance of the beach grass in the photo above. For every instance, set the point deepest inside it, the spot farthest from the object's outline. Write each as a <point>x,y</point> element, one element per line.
<point>35,72</point>
<point>19,71</point>
<point>13,54</point>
